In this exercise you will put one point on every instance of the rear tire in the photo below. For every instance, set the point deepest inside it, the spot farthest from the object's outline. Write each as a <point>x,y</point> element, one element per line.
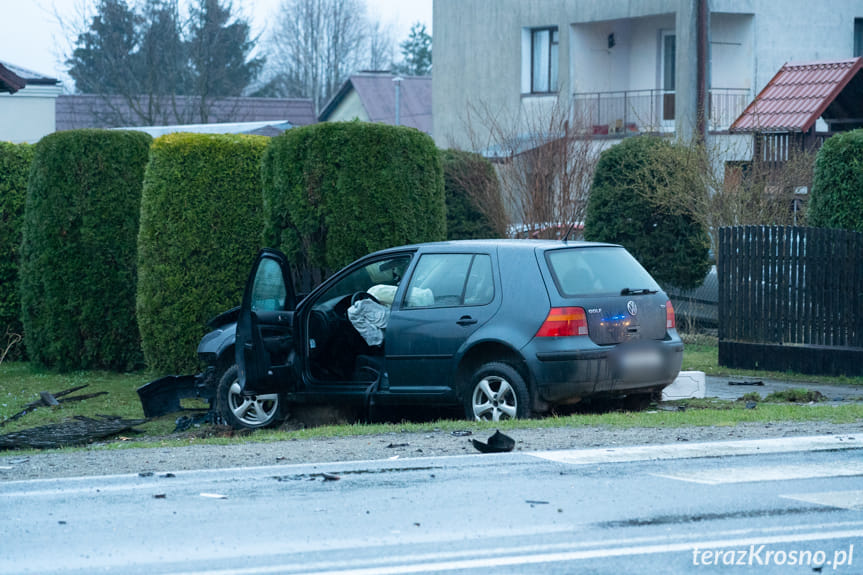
<point>638,401</point>
<point>242,412</point>
<point>497,391</point>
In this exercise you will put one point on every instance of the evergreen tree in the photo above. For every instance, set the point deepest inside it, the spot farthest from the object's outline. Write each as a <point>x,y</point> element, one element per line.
<point>142,59</point>
<point>416,52</point>
<point>219,48</point>
<point>102,61</point>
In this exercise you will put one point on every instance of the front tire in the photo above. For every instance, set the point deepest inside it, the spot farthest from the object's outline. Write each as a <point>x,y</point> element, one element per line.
<point>245,412</point>
<point>497,391</point>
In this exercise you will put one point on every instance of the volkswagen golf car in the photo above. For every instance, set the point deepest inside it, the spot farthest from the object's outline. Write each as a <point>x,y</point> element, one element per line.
<point>503,328</point>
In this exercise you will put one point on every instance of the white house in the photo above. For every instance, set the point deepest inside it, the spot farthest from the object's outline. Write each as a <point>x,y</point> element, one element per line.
<point>621,67</point>
<point>26,104</point>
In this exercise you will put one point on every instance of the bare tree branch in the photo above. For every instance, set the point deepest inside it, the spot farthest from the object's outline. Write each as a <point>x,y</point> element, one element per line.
<point>545,164</point>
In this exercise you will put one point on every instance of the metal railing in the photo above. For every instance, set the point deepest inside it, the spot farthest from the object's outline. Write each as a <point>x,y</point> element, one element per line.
<point>633,111</point>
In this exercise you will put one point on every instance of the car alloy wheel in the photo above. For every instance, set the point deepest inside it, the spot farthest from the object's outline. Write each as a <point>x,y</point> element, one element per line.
<point>254,411</point>
<point>498,393</point>
<point>241,411</point>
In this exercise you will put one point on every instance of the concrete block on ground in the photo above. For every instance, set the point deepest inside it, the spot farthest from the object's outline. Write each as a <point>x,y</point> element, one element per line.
<point>689,384</point>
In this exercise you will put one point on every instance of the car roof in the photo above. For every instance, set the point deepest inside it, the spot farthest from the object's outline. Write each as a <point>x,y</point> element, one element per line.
<point>456,245</point>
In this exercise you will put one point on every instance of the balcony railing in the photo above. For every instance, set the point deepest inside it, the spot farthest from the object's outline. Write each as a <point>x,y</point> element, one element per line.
<point>634,111</point>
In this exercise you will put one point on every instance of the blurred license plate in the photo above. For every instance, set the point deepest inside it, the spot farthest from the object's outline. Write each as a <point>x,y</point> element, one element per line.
<point>641,359</point>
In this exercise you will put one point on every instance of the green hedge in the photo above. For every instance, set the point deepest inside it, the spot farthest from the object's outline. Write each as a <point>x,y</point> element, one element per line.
<point>837,187</point>
<point>14,173</point>
<point>642,196</point>
<point>474,206</point>
<point>78,257</point>
<point>336,191</point>
<point>200,231</point>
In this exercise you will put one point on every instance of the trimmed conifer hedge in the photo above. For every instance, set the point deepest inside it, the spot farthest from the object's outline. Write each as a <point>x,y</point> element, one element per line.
<point>837,187</point>
<point>200,232</point>
<point>336,191</point>
<point>641,193</point>
<point>474,206</point>
<point>14,173</point>
<point>78,259</point>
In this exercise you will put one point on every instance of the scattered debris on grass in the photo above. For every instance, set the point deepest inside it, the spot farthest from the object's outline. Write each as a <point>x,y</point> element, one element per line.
<point>52,399</point>
<point>76,431</point>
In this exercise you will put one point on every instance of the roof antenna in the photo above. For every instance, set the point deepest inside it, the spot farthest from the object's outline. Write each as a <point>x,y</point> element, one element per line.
<point>569,231</point>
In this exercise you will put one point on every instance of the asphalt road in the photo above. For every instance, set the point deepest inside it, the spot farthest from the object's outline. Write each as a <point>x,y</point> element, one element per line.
<point>778,506</point>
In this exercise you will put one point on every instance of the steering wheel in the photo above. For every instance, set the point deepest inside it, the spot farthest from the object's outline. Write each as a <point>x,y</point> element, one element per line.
<point>361,295</point>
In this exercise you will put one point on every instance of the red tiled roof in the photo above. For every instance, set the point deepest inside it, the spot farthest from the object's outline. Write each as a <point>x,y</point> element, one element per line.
<point>797,96</point>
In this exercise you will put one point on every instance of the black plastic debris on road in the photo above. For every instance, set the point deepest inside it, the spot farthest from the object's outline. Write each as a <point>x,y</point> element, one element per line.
<point>497,443</point>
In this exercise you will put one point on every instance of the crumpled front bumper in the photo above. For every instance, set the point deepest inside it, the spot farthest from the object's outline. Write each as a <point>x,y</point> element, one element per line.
<point>162,396</point>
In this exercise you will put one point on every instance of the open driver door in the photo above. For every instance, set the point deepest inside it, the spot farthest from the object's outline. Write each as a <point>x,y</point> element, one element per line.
<point>265,330</point>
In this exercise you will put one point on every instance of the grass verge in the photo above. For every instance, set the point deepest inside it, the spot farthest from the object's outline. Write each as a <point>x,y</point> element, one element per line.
<point>20,383</point>
<point>703,357</point>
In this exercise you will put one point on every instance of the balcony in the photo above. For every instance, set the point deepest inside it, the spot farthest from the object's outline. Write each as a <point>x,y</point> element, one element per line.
<point>635,111</point>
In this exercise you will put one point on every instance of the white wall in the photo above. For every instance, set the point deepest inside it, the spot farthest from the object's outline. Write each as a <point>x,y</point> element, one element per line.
<point>28,114</point>
<point>731,50</point>
<point>478,56</point>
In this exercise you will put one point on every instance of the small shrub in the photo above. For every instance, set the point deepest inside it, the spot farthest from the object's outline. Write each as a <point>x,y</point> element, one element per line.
<point>795,395</point>
<point>837,187</point>
<point>15,162</point>
<point>78,257</point>
<point>336,191</point>
<point>474,207</point>
<point>200,231</point>
<point>643,196</point>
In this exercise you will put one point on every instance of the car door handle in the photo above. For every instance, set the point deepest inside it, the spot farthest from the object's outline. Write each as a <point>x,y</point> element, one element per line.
<point>466,320</point>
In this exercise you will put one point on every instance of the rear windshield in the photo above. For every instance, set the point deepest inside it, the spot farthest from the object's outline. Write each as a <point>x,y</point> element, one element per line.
<point>594,271</point>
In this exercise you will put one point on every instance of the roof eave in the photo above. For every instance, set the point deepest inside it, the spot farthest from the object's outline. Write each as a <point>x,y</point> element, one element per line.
<point>335,100</point>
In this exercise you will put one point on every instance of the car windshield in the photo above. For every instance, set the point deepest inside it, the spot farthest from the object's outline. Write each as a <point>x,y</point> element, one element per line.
<point>597,270</point>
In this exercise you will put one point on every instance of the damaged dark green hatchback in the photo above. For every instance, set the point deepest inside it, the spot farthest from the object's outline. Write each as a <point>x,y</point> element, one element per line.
<point>503,328</point>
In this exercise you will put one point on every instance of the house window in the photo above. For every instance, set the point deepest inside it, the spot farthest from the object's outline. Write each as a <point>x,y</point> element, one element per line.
<point>858,37</point>
<point>668,64</point>
<point>539,60</point>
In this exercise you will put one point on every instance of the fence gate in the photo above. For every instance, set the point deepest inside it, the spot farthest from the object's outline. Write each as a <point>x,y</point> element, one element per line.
<point>791,298</point>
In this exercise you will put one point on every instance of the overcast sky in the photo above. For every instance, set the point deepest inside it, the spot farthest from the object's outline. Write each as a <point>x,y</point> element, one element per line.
<point>32,37</point>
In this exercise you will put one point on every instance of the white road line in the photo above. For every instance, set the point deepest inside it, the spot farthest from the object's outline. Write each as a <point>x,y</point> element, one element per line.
<point>538,558</point>
<point>842,499</point>
<point>753,474</point>
<point>695,450</point>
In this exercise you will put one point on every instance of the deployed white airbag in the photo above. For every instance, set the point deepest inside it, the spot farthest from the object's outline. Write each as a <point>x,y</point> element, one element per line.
<point>370,320</point>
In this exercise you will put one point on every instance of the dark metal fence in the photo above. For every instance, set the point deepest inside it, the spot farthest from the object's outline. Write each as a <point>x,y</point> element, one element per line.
<point>791,298</point>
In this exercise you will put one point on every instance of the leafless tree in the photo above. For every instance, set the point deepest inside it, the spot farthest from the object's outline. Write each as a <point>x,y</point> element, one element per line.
<point>381,46</point>
<point>316,45</point>
<point>545,162</point>
<point>754,191</point>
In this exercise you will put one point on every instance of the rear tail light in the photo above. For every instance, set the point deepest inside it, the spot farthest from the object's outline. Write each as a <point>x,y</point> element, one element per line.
<point>564,321</point>
<point>669,316</point>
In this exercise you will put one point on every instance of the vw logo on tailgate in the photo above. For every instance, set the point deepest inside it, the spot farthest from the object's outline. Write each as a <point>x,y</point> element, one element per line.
<point>631,307</point>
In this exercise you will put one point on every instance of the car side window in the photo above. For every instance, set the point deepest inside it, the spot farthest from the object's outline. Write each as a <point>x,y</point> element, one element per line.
<point>380,278</point>
<point>480,282</point>
<point>449,280</point>
<point>269,291</point>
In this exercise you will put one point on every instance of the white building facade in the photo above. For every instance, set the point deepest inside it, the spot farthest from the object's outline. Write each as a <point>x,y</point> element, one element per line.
<point>621,67</point>
<point>28,114</point>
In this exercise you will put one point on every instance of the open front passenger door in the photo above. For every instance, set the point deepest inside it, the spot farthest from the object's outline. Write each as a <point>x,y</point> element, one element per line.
<point>265,331</point>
